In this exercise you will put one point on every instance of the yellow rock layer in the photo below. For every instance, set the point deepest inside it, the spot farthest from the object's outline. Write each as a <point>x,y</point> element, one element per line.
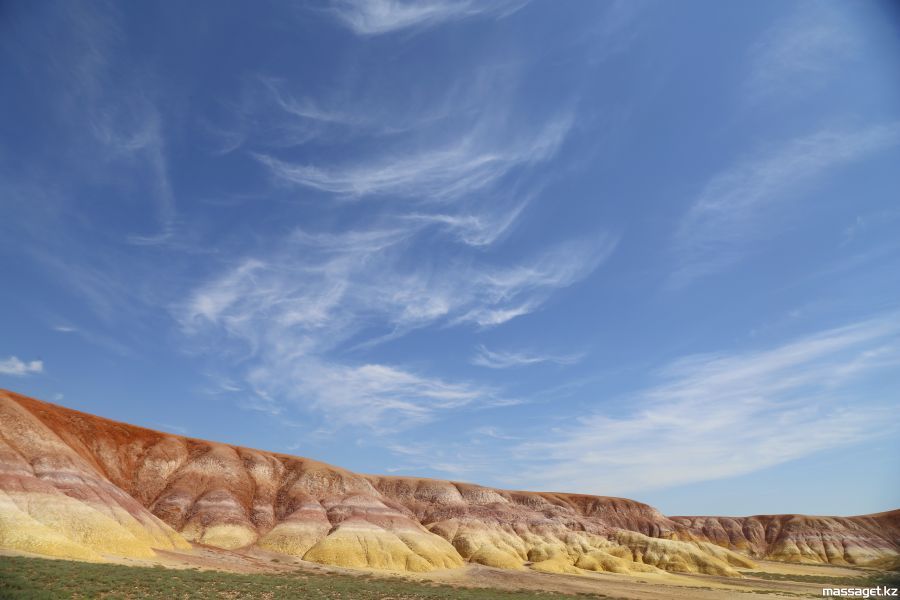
<point>601,561</point>
<point>367,546</point>
<point>226,535</point>
<point>681,557</point>
<point>558,564</point>
<point>294,538</point>
<point>553,549</point>
<point>58,525</point>
<point>797,551</point>
<point>492,556</point>
<point>20,531</point>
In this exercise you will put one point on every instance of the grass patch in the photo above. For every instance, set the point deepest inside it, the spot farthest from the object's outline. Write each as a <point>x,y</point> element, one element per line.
<point>890,579</point>
<point>24,578</point>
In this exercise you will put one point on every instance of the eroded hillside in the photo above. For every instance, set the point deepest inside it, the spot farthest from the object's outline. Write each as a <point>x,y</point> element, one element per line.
<point>77,485</point>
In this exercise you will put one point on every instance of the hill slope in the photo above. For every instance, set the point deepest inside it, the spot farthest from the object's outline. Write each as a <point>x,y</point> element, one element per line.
<point>77,485</point>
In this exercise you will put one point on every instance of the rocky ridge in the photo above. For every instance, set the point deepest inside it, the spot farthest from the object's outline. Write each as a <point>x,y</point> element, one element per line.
<point>80,486</point>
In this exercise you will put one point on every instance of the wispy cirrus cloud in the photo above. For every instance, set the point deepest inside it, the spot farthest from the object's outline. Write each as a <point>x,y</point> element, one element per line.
<point>300,307</point>
<point>338,280</point>
<point>378,17</point>
<point>737,205</point>
<point>272,114</point>
<point>17,367</point>
<point>446,171</point>
<point>93,337</point>
<point>268,115</point>
<point>461,163</point>
<point>380,397</point>
<point>463,178</point>
<point>505,359</point>
<point>707,417</point>
<point>800,53</point>
<point>306,108</point>
<point>473,228</point>
<point>118,114</point>
<point>108,132</point>
<point>131,132</point>
<point>295,309</point>
<point>721,415</point>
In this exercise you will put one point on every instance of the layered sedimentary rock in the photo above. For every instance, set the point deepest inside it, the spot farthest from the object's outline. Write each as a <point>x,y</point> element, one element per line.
<point>868,539</point>
<point>77,485</point>
<point>54,500</point>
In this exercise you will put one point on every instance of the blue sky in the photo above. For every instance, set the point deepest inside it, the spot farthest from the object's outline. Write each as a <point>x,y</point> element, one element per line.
<point>625,248</point>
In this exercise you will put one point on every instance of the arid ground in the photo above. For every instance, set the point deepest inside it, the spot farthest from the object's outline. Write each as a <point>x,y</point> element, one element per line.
<point>205,572</point>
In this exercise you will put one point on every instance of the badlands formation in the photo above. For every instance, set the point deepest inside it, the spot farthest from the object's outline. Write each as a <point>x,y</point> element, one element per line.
<point>79,486</point>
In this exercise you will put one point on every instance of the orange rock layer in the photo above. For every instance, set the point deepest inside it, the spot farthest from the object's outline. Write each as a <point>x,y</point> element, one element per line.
<point>77,485</point>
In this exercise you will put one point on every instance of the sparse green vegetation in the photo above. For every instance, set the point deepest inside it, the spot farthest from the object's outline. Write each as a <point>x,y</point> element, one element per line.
<point>40,579</point>
<point>889,579</point>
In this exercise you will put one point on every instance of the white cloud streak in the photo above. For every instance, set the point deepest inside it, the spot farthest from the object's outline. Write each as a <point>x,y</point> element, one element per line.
<point>112,107</point>
<point>801,53</point>
<point>378,17</point>
<point>18,368</point>
<point>301,304</point>
<point>335,280</point>
<point>271,115</point>
<point>736,206</point>
<point>473,229</point>
<point>717,416</point>
<point>380,397</point>
<point>446,172</point>
<point>505,359</point>
<point>137,137</point>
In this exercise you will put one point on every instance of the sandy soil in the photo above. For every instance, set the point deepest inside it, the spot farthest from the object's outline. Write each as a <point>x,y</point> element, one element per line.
<point>644,587</point>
